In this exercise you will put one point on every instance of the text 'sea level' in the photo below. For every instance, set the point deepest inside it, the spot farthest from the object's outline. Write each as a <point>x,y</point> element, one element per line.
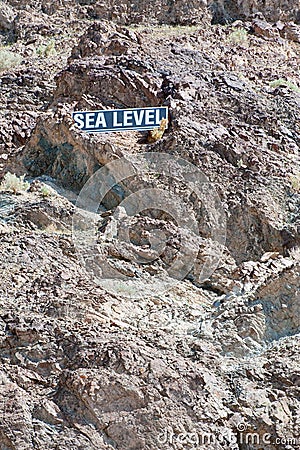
<point>120,119</point>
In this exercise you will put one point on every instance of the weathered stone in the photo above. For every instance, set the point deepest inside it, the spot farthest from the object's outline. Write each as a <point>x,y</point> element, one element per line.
<point>7,15</point>
<point>291,31</point>
<point>243,9</point>
<point>263,28</point>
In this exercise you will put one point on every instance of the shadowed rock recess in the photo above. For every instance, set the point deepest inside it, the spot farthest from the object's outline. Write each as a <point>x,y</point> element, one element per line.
<point>210,363</point>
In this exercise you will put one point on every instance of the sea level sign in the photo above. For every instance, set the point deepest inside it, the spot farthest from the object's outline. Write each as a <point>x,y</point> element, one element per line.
<point>120,119</point>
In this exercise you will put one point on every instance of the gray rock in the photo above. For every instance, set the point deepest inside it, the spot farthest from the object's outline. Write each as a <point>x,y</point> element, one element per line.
<point>7,15</point>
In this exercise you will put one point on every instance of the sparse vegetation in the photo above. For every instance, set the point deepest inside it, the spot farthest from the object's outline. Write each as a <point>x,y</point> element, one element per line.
<point>240,164</point>
<point>8,59</point>
<point>157,133</point>
<point>295,181</point>
<point>47,50</point>
<point>46,191</point>
<point>13,183</point>
<point>238,37</point>
<point>285,83</point>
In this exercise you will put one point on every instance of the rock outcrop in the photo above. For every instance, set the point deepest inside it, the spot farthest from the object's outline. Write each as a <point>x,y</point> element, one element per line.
<point>111,67</point>
<point>211,362</point>
<point>7,16</point>
<point>230,10</point>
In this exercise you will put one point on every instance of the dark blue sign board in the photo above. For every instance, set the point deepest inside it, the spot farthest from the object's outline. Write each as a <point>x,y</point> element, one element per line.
<point>120,119</point>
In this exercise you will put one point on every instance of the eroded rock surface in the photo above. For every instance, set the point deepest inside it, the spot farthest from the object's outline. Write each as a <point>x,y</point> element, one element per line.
<point>210,364</point>
<point>243,9</point>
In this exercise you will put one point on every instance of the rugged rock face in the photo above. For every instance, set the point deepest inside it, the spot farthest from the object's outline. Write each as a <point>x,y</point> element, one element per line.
<point>167,11</point>
<point>159,12</point>
<point>124,73</point>
<point>206,364</point>
<point>7,16</point>
<point>83,369</point>
<point>230,10</point>
<point>127,12</point>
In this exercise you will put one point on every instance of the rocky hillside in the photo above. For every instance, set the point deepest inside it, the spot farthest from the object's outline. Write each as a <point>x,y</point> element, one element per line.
<point>130,320</point>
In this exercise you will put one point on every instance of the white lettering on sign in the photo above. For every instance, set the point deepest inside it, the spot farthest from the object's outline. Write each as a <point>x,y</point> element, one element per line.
<point>100,121</point>
<point>115,120</point>
<point>157,120</point>
<point>79,119</point>
<point>120,119</point>
<point>90,120</point>
<point>149,120</point>
<point>139,116</point>
<point>127,118</point>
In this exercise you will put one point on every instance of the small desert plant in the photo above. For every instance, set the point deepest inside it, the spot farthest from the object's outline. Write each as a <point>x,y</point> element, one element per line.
<point>286,83</point>
<point>157,133</point>
<point>13,183</point>
<point>8,59</point>
<point>47,50</point>
<point>240,164</point>
<point>295,181</point>
<point>239,36</point>
<point>46,191</point>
